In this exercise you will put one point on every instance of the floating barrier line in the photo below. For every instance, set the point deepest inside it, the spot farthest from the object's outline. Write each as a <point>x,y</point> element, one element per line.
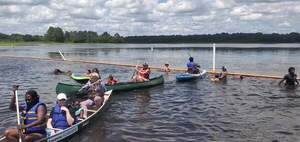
<point>130,65</point>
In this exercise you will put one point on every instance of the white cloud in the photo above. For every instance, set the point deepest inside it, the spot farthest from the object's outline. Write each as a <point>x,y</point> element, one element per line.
<point>284,24</point>
<point>245,13</point>
<point>224,3</point>
<point>22,2</point>
<point>40,14</point>
<point>176,6</point>
<point>140,17</point>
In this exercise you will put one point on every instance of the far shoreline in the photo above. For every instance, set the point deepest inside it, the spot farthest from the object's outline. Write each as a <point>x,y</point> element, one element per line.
<point>163,45</point>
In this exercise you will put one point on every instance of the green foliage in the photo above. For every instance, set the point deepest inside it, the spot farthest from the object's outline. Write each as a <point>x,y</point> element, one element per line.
<point>56,34</point>
<point>218,38</point>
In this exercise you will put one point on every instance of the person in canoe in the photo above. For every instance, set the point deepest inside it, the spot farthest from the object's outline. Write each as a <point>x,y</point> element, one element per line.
<point>221,76</point>
<point>33,118</point>
<point>77,109</point>
<point>143,74</point>
<point>290,79</point>
<point>192,68</point>
<point>95,90</point>
<point>60,117</point>
<point>95,72</point>
<point>166,68</point>
<point>111,80</point>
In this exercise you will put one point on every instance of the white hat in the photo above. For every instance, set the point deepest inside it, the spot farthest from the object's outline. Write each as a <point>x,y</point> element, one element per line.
<point>61,96</point>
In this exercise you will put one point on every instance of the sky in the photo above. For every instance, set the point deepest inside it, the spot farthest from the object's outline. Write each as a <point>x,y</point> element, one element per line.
<point>150,17</point>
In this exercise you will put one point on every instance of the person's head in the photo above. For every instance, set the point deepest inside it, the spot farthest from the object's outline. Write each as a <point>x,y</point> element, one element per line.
<point>292,70</point>
<point>61,99</point>
<point>31,97</point>
<point>191,59</point>
<point>95,70</point>
<point>94,78</point>
<point>166,65</point>
<point>110,77</point>
<point>89,71</point>
<point>76,103</point>
<point>145,66</point>
<point>224,68</point>
<point>241,77</point>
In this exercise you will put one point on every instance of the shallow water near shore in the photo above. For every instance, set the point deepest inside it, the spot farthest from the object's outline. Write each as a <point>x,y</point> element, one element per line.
<point>251,110</point>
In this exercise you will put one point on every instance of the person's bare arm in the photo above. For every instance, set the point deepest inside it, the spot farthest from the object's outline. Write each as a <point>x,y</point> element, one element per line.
<point>49,123</point>
<point>69,117</point>
<point>281,81</point>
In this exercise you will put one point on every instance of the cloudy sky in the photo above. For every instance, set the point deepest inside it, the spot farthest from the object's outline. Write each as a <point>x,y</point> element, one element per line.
<point>150,17</point>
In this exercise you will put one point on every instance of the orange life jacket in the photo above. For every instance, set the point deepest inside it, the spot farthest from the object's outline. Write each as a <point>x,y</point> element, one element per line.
<point>144,73</point>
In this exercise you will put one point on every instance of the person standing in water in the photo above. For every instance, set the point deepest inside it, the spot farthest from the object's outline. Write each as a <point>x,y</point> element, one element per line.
<point>166,68</point>
<point>223,74</point>
<point>290,79</point>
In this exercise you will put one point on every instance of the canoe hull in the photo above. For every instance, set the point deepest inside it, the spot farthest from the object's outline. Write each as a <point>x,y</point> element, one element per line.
<point>70,89</point>
<point>68,133</point>
<point>189,77</point>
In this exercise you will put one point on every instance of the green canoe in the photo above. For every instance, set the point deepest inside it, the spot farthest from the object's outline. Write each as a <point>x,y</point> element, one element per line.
<point>80,78</point>
<point>123,86</point>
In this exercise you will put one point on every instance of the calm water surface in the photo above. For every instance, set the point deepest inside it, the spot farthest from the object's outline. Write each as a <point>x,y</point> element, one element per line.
<point>251,110</point>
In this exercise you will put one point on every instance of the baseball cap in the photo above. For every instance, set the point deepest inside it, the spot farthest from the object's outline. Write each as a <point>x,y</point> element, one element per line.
<point>61,96</point>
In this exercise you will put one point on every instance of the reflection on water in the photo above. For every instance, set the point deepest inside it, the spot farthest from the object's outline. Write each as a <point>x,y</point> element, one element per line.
<point>249,110</point>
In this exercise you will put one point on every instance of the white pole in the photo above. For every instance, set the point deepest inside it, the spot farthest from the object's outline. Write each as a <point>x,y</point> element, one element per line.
<point>18,113</point>
<point>61,55</point>
<point>214,57</point>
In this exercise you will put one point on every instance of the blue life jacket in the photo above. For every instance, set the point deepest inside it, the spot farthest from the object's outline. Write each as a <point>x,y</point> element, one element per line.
<point>191,66</point>
<point>59,119</point>
<point>28,117</point>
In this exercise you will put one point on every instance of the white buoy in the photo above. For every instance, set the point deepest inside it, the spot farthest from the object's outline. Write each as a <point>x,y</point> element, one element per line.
<point>214,57</point>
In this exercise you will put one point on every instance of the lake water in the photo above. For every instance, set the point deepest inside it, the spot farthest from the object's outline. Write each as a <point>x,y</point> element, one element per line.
<point>251,110</point>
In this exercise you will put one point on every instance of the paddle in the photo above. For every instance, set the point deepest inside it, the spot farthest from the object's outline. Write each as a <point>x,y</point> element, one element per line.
<point>62,56</point>
<point>2,138</point>
<point>135,70</point>
<point>16,87</point>
<point>189,54</point>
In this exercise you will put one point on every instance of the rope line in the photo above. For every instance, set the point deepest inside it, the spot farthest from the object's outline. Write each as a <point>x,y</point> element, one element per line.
<point>131,65</point>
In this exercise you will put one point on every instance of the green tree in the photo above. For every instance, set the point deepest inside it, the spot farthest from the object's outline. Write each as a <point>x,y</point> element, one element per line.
<point>55,34</point>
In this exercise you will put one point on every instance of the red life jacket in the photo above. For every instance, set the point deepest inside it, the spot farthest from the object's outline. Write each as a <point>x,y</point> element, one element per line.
<point>111,82</point>
<point>144,73</point>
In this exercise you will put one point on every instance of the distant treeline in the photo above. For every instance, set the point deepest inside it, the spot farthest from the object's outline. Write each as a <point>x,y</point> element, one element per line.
<point>218,38</point>
<point>56,34</point>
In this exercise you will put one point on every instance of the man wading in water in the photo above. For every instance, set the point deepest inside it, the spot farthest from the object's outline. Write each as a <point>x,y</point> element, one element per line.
<point>290,79</point>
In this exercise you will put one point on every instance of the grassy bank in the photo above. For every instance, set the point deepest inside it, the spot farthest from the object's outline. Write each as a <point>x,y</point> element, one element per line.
<point>24,43</point>
<point>19,43</point>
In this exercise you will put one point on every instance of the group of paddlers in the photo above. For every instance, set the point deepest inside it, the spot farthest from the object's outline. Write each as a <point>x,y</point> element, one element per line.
<point>34,119</point>
<point>35,124</point>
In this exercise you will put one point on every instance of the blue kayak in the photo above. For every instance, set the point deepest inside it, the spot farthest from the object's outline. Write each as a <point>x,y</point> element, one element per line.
<point>188,77</point>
